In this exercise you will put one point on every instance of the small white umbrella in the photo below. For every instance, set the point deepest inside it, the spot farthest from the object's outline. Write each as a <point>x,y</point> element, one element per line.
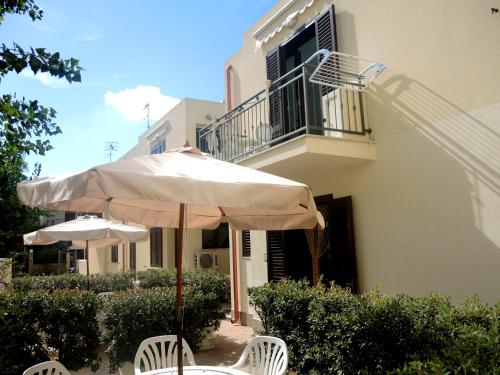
<point>155,189</point>
<point>88,230</point>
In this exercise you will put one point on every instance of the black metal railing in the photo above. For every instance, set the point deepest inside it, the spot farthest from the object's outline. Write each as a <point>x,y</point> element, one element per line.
<point>289,107</point>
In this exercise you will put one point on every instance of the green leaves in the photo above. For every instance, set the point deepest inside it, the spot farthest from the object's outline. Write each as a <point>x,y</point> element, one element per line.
<point>20,7</point>
<point>331,331</point>
<point>24,124</point>
<point>39,60</point>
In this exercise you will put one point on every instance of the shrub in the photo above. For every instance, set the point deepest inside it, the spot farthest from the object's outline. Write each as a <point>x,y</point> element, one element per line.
<point>107,282</point>
<point>157,278</point>
<point>21,346</point>
<point>68,321</point>
<point>49,283</point>
<point>112,282</point>
<point>333,331</point>
<point>283,309</point>
<point>132,316</point>
<point>32,322</point>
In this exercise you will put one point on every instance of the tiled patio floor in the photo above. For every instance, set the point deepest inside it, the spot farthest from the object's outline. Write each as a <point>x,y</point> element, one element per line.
<point>230,340</point>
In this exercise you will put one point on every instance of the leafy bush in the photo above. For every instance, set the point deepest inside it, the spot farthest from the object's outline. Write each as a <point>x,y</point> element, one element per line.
<point>209,281</point>
<point>21,346</point>
<point>132,316</point>
<point>157,278</point>
<point>64,320</point>
<point>333,331</point>
<point>68,321</point>
<point>107,282</point>
<point>112,282</point>
<point>49,283</point>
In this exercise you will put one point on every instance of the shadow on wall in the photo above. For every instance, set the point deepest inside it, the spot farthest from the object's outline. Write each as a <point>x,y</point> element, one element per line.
<point>459,134</point>
<point>436,183</point>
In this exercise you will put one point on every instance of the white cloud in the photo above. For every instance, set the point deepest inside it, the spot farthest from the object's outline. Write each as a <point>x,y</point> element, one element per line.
<point>46,79</point>
<point>91,34</point>
<point>130,102</point>
<point>92,37</point>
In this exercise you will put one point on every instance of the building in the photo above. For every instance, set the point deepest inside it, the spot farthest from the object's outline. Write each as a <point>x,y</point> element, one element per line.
<point>407,173</point>
<point>209,249</point>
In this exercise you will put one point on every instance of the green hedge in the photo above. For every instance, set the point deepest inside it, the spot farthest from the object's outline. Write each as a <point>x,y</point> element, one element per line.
<point>333,331</point>
<point>107,282</point>
<point>20,347</point>
<point>132,316</point>
<point>32,322</point>
<point>40,314</point>
<point>209,281</point>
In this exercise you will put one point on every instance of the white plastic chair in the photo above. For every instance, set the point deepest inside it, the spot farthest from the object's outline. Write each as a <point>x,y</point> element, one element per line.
<point>47,368</point>
<point>159,352</point>
<point>264,355</point>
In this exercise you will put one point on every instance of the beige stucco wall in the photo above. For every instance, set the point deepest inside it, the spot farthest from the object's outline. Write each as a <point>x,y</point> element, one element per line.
<point>182,121</point>
<point>427,210</point>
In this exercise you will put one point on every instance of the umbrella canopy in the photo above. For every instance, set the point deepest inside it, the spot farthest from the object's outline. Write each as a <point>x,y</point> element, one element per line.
<point>98,232</point>
<point>176,189</point>
<point>148,190</point>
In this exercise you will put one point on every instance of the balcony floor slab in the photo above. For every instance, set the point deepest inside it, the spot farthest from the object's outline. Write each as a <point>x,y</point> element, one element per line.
<point>311,154</point>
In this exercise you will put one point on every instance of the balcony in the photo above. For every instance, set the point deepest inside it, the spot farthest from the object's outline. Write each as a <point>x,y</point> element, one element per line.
<point>293,119</point>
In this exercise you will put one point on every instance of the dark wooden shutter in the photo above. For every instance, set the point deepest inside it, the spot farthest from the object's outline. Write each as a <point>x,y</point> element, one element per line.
<point>132,255</point>
<point>343,250</point>
<point>276,264</point>
<point>69,216</point>
<point>326,36</point>
<point>114,254</point>
<point>156,247</point>
<point>273,71</point>
<point>326,33</point>
<point>246,244</point>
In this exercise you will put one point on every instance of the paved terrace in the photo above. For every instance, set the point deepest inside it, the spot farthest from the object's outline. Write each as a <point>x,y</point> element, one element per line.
<point>230,340</point>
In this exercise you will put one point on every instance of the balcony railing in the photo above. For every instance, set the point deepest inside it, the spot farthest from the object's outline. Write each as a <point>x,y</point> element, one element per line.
<point>289,107</point>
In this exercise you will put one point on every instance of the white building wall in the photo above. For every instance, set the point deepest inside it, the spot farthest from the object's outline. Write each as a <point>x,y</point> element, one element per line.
<point>427,210</point>
<point>176,126</point>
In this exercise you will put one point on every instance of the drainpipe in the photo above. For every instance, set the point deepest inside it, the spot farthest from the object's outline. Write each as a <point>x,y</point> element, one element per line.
<point>123,252</point>
<point>229,88</point>
<point>236,292</point>
<point>234,243</point>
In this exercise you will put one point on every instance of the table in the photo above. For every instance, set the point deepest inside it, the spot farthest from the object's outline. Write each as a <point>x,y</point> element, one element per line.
<point>198,370</point>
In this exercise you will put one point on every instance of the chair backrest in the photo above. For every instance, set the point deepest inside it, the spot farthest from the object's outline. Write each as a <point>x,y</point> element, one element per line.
<point>264,355</point>
<point>47,368</point>
<point>160,352</point>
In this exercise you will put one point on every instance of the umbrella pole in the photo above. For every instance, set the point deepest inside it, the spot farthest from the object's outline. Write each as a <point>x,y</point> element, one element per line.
<point>179,307</point>
<point>87,261</point>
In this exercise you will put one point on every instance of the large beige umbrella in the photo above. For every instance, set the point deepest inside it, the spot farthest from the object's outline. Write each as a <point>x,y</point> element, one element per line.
<point>87,231</point>
<point>155,190</point>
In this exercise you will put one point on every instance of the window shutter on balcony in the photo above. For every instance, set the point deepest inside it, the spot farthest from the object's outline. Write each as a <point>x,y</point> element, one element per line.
<point>273,69</point>
<point>276,265</point>
<point>326,36</point>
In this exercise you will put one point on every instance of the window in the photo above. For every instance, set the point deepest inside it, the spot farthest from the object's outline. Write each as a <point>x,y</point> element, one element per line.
<point>132,250</point>
<point>69,216</point>
<point>159,147</point>
<point>114,254</point>
<point>246,245</point>
<point>156,247</point>
<point>201,143</point>
<point>217,238</point>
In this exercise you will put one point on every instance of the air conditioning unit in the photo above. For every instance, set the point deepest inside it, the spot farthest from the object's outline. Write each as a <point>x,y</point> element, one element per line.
<point>206,260</point>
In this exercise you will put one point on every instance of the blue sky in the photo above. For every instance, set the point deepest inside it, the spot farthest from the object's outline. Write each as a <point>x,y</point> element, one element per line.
<point>167,49</point>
